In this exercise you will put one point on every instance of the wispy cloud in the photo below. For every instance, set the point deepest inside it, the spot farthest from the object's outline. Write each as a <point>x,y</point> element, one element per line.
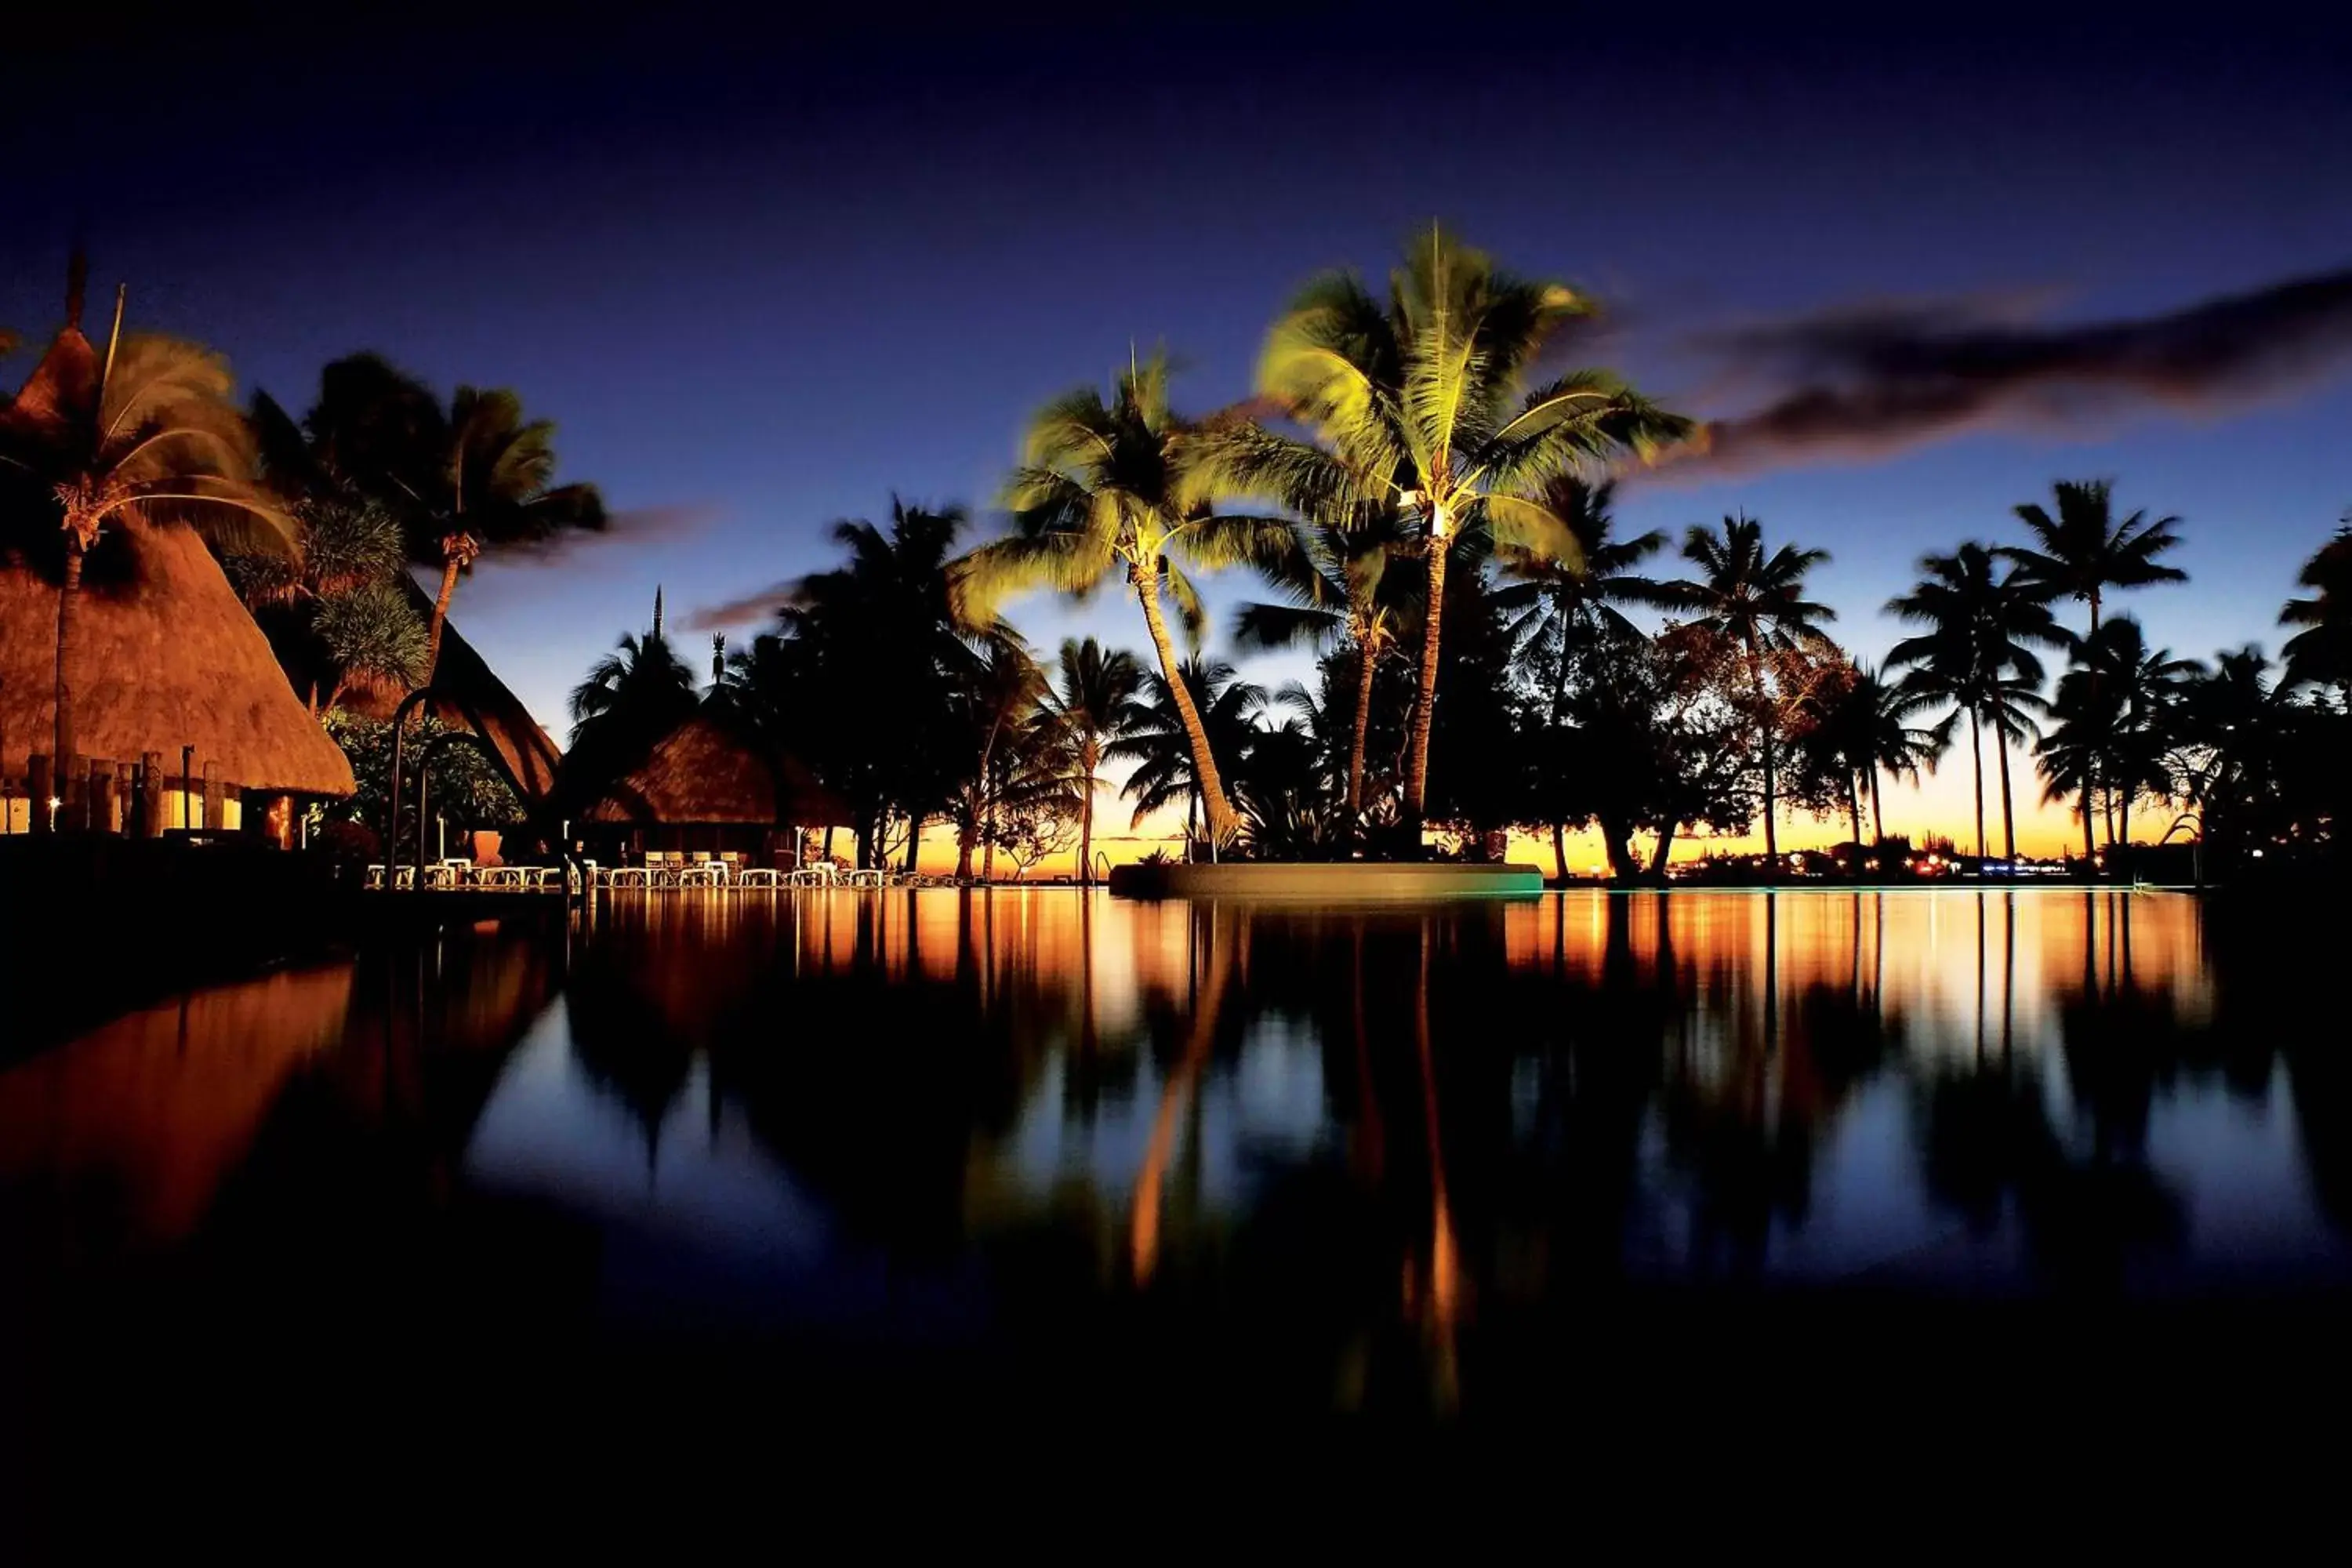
<point>748,610</point>
<point>631,527</point>
<point>1870,382</point>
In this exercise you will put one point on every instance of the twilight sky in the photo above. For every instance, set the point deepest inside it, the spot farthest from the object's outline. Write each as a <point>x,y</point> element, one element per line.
<point>762,280</point>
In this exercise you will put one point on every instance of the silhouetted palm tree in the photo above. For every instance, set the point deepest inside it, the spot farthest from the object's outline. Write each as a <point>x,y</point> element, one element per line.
<point>1425,402</point>
<point>1090,708</point>
<point>1114,488</point>
<point>1338,584</point>
<point>1977,655</point>
<point>472,478</point>
<point>998,690</point>
<point>1160,747</point>
<point>146,437</point>
<point>1757,602</point>
<point>1864,725</point>
<point>2321,654</point>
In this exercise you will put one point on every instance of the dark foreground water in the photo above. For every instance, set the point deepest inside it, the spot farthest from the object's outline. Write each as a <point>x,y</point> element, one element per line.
<point>1030,1151</point>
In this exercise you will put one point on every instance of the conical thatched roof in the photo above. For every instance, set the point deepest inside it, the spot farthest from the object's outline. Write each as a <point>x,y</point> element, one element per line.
<point>166,657</point>
<point>66,378</point>
<point>704,771</point>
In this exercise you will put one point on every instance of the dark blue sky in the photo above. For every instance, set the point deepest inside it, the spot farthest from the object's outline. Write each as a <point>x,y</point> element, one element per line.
<point>763,278</point>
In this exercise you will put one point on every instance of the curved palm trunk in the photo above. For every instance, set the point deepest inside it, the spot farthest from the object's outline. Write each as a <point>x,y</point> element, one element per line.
<point>2008,810</point>
<point>1416,756</point>
<point>914,841</point>
<point>68,629</point>
<point>451,564</point>
<point>1975,769</point>
<point>1365,661</point>
<point>1559,851</point>
<point>1220,810</point>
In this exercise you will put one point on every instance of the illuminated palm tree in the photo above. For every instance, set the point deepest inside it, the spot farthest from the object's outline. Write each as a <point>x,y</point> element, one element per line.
<point>1111,488</point>
<point>2321,653</point>
<point>145,439</point>
<point>1339,587</point>
<point>1756,602</point>
<point>1426,402</point>
<point>1088,711</point>
<point>1977,655</point>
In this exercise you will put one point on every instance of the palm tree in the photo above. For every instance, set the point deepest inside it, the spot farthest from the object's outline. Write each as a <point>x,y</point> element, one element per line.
<point>2142,688</point>
<point>998,688</point>
<point>1159,743</point>
<point>1864,726</point>
<point>1977,655</point>
<point>1756,602</point>
<point>147,438</point>
<point>374,641</point>
<point>1335,576</point>
<point>473,478</point>
<point>1117,486</point>
<point>1426,402</point>
<point>629,699</point>
<point>2082,551</point>
<point>2321,654</point>
<point>1090,708</point>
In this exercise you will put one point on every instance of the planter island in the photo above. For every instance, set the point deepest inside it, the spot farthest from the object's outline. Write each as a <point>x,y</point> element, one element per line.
<point>1336,881</point>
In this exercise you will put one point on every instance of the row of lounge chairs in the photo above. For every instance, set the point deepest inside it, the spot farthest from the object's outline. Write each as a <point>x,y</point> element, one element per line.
<point>452,873</point>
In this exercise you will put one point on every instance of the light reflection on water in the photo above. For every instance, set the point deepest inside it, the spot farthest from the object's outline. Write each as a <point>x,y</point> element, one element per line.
<point>923,1114</point>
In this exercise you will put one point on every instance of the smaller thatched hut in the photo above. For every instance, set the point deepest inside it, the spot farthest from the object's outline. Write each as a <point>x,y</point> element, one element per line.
<point>708,786</point>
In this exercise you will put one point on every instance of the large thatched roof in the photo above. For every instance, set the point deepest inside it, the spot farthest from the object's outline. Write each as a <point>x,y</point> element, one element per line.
<point>166,657</point>
<point>704,771</point>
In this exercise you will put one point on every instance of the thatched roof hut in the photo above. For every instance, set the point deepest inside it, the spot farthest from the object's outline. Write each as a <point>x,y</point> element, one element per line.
<point>706,773</point>
<point>167,657</point>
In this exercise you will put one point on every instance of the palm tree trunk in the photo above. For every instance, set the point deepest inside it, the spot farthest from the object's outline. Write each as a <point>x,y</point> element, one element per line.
<point>2090,845</point>
<point>1365,663</point>
<point>68,629</point>
<point>1560,850</point>
<point>1975,769</point>
<point>1416,757</point>
<point>1764,721</point>
<point>1665,846</point>
<point>1877,812</point>
<point>2008,811</point>
<point>450,566</point>
<point>1221,821</point>
<point>914,841</point>
<point>1086,831</point>
<point>1853,807</point>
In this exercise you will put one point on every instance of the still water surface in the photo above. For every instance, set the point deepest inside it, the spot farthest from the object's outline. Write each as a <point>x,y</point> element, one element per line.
<point>832,1125</point>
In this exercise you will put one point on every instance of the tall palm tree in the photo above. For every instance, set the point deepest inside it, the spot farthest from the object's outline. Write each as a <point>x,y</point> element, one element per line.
<point>1117,486</point>
<point>1091,708</point>
<point>1977,654</point>
<point>1757,602</point>
<point>1159,743</point>
<point>629,699</point>
<point>2321,653</point>
<point>147,437</point>
<point>1427,401</point>
<point>2083,550</point>
<point>1335,576</point>
<point>469,480</point>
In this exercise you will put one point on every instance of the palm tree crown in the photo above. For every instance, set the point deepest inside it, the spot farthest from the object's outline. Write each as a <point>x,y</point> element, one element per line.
<point>1116,487</point>
<point>1427,401</point>
<point>2083,551</point>
<point>2321,653</point>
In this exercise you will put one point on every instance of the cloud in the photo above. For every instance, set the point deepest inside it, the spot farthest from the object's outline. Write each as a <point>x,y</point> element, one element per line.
<point>629,527</point>
<point>1868,382</point>
<point>749,610</point>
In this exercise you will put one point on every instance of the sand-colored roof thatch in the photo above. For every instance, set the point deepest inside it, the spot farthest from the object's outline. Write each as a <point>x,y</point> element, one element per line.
<point>704,771</point>
<point>167,657</point>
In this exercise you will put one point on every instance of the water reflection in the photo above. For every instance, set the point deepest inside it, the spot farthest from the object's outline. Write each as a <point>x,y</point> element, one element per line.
<point>1355,1150</point>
